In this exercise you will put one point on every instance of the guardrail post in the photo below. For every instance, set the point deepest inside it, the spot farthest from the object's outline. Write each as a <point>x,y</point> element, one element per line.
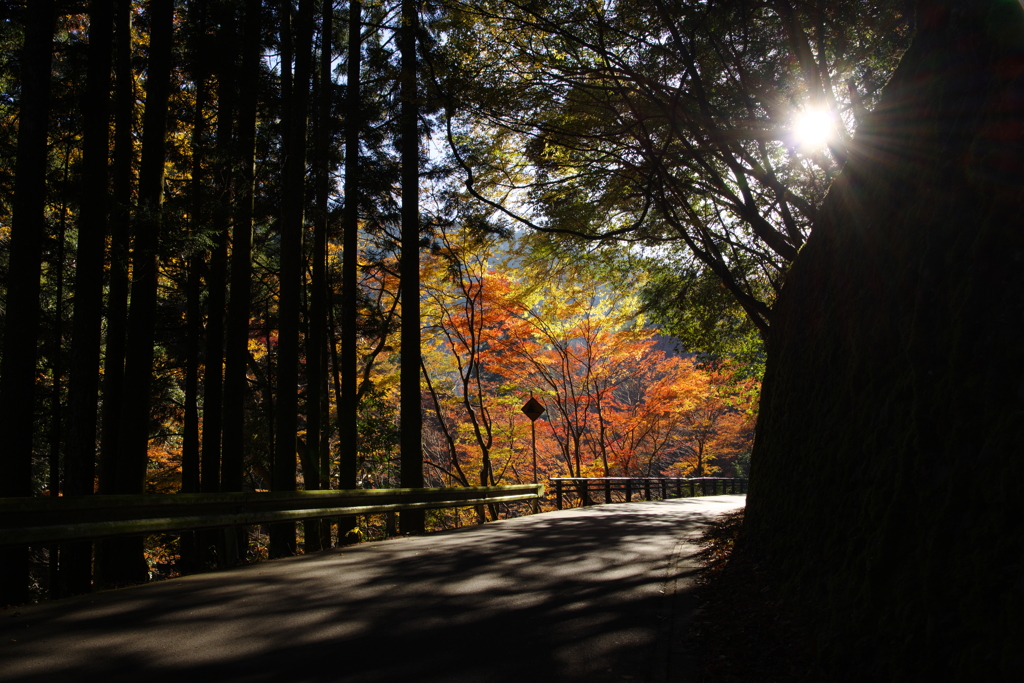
<point>558,492</point>
<point>607,490</point>
<point>693,488</point>
<point>679,488</point>
<point>664,490</point>
<point>647,489</point>
<point>586,492</point>
<point>629,490</point>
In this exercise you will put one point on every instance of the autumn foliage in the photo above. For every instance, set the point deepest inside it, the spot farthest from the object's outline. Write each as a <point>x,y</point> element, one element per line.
<point>620,399</point>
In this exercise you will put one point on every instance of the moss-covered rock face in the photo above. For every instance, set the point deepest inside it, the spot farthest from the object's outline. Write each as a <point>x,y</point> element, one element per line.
<point>890,447</point>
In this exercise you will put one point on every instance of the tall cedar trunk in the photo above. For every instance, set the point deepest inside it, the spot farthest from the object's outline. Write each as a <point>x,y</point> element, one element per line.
<point>282,470</point>
<point>117,297</point>
<point>211,544</point>
<point>348,408</point>
<point>236,352</point>
<point>190,452</point>
<point>80,454</point>
<point>122,559</point>
<point>325,441</point>
<point>315,479</point>
<point>332,343</point>
<point>21,327</point>
<point>295,100</point>
<point>216,284</point>
<point>268,392</point>
<point>190,428</point>
<point>892,393</point>
<point>301,83</point>
<point>411,414</point>
<point>237,348</point>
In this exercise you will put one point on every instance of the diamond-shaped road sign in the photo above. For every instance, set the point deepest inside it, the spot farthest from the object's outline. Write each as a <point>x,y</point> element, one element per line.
<point>533,409</point>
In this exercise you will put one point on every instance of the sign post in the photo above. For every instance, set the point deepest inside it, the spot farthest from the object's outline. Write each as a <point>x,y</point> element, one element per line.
<point>533,409</point>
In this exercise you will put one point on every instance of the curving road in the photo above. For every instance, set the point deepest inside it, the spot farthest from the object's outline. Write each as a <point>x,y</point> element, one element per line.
<point>595,594</point>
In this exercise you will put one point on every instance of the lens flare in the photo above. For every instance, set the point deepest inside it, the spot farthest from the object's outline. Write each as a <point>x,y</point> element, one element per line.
<point>814,128</point>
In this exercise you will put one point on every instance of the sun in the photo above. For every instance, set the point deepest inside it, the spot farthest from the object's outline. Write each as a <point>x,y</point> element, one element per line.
<point>813,128</point>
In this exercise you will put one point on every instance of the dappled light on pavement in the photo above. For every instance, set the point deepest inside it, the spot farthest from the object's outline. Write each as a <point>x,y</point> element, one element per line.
<point>581,594</point>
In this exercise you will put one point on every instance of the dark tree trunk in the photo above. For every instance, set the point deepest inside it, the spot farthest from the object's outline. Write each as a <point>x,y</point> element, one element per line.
<point>268,392</point>
<point>285,414</point>
<point>348,408</point>
<point>190,448</point>
<point>212,543</point>
<point>190,451</point>
<point>317,311</point>
<point>217,282</point>
<point>236,354</point>
<point>80,453</point>
<point>117,297</point>
<point>345,524</point>
<point>122,560</point>
<point>295,102</point>
<point>237,350</point>
<point>21,326</point>
<point>411,408</point>
<point>190,427</point>
<point>895,359</point>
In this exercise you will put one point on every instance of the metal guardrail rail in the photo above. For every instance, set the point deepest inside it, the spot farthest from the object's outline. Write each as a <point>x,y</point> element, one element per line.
<point>50,520</point>
<point>645,486</point>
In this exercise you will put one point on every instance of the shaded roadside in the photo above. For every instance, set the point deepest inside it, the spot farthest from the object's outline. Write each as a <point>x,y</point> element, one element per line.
<point>744,629</point>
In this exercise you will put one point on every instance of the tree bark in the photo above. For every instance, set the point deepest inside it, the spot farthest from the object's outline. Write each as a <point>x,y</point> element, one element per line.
<point>317,310</point>
<point>213,541</point>
<point>411,405</point>
<point>236,353</point>
<point>894,358</point>
<point>348,408</point>
<point>237,350</point>
<point>190,451</point>
<point>122,559</point>
<point>117,298</point>
<point>80,453</point>
<point>21,326</point>
<point>295,101</point>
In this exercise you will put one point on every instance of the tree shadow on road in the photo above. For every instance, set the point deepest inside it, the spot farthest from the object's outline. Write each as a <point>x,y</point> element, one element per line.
<point>569,596</point>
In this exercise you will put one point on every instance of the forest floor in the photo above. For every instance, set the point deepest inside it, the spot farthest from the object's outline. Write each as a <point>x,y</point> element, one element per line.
<point>745,630</point>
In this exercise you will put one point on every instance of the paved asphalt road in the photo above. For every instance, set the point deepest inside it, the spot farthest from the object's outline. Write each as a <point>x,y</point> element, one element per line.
<point>595,594</point>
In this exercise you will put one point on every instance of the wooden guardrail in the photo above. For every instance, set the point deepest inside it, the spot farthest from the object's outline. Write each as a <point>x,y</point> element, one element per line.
<point>49,520</point>
<point>585,487</point>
